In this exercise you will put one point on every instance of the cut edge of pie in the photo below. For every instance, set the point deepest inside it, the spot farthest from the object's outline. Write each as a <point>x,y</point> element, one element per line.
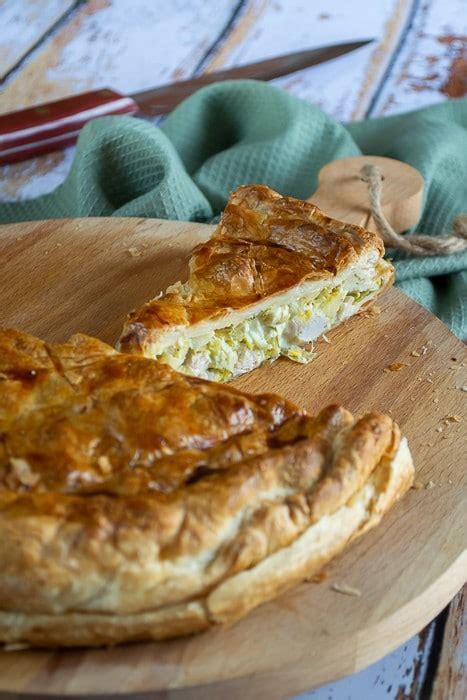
<point>276,274</point>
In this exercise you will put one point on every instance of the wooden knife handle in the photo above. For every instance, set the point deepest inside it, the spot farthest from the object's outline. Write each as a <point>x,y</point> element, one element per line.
<point>54,125</point>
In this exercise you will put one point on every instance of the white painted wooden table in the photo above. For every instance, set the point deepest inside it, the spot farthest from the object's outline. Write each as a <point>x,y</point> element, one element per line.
<point>53,48</point>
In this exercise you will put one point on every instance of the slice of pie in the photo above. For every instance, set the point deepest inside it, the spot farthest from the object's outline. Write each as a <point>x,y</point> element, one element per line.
<point>139,503</point>
<point>276,274</point>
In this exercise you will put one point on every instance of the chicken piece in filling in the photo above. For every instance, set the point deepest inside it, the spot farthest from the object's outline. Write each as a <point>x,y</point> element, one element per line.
<point>287,328</point>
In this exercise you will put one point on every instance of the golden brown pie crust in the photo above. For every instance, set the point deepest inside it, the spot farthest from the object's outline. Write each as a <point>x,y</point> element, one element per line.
<point>138,503</point>
<point>264,245</point>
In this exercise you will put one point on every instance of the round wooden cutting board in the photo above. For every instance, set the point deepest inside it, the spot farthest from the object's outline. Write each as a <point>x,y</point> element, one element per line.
<point>59,277</point>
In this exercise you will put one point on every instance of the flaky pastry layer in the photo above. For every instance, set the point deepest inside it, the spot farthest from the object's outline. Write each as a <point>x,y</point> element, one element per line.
<point>138,503</point>
<point>267,249</point>
<point>276,274</point>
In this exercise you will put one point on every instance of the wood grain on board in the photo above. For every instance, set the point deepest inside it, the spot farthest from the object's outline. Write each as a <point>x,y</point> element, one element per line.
<point>419,60</point>
<point>59,277</point>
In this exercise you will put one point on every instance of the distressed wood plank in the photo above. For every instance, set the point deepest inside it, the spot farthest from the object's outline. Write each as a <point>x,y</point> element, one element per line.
<point>398,676</point>
<point>264,27</point>
<point>432,64</point>
<point>450,681</point>
<point>24,24</point>
<point>271,27</point>
<point>130,45</point>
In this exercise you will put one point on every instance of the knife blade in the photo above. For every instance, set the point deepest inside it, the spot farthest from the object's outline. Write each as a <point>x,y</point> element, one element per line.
<point>165,98</point>
<point>55,125</point>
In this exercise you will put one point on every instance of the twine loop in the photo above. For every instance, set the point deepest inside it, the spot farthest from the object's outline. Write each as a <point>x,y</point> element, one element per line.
<point>418,244</point>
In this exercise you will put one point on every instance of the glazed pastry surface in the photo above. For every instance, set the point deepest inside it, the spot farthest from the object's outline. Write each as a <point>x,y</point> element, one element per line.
<point>140,503</point>
<point>275,275</point>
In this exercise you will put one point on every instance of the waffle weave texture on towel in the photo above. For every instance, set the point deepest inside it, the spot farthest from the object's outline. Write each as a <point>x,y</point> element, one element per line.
<point>238,132</point>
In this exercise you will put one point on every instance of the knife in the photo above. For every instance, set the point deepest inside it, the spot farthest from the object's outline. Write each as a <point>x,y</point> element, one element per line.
<point>55,125</point>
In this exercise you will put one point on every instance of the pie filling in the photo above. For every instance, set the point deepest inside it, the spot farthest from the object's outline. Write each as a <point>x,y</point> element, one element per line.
<point>286,329</point>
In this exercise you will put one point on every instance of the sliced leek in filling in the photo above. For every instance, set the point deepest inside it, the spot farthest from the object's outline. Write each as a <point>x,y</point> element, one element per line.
<point>286,329</point>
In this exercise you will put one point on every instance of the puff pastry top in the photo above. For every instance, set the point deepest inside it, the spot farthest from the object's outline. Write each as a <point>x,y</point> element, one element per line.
<point>125,486</point>
<point>264,244</point>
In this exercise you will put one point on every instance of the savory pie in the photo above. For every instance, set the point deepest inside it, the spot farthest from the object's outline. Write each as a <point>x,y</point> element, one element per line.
<point>140,503</point>
<point>276,274</point>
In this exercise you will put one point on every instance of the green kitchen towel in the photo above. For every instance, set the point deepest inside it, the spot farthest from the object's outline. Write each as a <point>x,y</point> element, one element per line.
<point>239,132</point>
